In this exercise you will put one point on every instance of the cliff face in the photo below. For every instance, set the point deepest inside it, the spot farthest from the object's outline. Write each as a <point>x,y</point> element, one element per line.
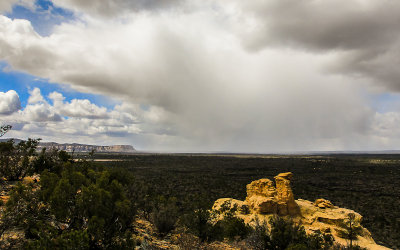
<point>266,199</point>
<point>86,148</point>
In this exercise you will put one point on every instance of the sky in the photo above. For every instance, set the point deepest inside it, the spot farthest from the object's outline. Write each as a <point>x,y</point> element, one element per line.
<point>257,76</point>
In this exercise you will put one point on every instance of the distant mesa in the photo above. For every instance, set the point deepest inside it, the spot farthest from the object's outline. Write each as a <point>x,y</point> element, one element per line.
<point>82,148</point>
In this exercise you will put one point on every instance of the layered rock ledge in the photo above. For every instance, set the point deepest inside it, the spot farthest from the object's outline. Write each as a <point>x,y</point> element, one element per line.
<point>266,198</point>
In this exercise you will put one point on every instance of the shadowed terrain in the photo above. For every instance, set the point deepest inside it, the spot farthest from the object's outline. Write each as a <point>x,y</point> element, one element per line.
<point>367,184</point>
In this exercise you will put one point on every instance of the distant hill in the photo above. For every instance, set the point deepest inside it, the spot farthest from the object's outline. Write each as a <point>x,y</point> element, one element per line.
<point>82,148</point>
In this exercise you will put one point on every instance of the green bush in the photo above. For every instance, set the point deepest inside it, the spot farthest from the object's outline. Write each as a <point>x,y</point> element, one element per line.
<point>258,238</point>
<point>341,247</point>
<point>233,227</point>
<point>199,223</point>
<point>25,211</point>
<point>299,246</point>
<point>285,234</point>
<point>80,203</point>
<point>16,159</point>
<point>78,240</point>
<point>165,215</point>
<point>52,160</point>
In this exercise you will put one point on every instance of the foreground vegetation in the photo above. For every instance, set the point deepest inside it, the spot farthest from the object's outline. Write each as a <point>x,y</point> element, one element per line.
<point>80,204</point>
<point>74,205</point>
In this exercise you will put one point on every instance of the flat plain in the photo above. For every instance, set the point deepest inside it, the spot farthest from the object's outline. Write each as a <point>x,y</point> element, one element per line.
<point>368,184</point>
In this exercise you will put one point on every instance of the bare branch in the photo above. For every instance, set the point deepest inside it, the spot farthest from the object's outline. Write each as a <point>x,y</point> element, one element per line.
<point>4,129</point>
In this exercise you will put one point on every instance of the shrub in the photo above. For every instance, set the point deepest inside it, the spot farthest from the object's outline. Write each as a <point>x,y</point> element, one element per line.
<point>285,234</point>
<point>188,241</point>
<point>258,238</point>
<point>165,215</point>
<point>15,159</point>
<point>233,227</point>
<point>52,161</point>
<point>341,247</point>
<point>69,240</point>
<point>320,240</point>
<point>76,205</point>
<point>25,211</point>
<point>199,223</point>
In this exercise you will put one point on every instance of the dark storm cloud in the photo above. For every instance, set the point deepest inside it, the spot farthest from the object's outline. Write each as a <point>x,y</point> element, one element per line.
<point>364,33</point>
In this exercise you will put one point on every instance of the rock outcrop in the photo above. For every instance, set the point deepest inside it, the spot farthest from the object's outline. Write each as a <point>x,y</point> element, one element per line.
<point>266,199</point>
<point>263,197</point>
<point>285,197</point>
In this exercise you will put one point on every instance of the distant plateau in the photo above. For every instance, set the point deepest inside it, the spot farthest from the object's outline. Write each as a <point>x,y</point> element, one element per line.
<point>82,148</point>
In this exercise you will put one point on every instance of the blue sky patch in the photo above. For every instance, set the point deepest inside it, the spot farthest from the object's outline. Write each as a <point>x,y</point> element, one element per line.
<point>44,17</point>
<point>386,102</point>
<point>22,83</point>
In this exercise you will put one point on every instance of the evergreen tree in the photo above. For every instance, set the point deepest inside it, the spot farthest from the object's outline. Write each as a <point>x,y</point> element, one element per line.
<point>351,229</point>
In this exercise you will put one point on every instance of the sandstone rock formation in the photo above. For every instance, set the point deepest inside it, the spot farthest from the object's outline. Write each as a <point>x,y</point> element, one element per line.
<point>285,197</point>
<point>266,199</point>
<point>261,197</point>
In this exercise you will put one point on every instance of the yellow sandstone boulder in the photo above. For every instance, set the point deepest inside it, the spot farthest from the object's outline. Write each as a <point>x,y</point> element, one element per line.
<point>322,203</point>
<point>263,197</point>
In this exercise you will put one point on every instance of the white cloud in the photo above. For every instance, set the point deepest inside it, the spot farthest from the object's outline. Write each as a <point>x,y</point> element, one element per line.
<point>386,125</point>
<point>40,112</point>
<point>78,108</point>
<point>57,98</point>
<point>9,102</point>
<point>114,8</point>
<point>35,96</point>
<point>6,5</point>
<point>78,119</point>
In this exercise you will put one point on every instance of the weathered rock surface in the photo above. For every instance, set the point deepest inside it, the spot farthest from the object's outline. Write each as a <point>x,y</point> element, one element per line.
<point>263,197</point>
<point>322,203</point>
<point>285,197</point>
<point>264,200</point>
<point>329,219</point>
<point>227,203</point>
